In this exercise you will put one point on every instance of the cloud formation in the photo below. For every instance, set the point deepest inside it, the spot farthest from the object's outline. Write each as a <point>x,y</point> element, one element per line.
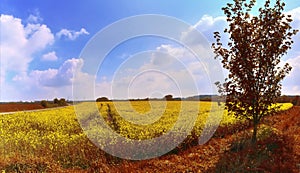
<point>19,43</point>
<point>22,40</point>
<point>58,77</point>
<point>70,34</point>
<point>51,56</point>
<point>291,84</point>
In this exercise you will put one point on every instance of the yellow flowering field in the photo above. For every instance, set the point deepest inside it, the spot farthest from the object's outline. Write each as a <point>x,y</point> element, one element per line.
<point>54,139</point>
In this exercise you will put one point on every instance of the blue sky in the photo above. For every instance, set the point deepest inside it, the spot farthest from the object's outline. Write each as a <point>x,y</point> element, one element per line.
<point>41,42</point>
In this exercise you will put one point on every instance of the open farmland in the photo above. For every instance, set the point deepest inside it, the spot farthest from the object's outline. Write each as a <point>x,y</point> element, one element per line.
<point>12,107</point>
<point>53,140</point>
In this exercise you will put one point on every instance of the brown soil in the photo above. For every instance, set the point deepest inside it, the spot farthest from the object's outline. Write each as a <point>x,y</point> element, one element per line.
<point>288,123</point>
<point>13,107</point>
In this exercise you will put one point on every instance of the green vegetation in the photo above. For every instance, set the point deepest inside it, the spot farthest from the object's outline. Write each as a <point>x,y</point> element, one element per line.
<point>55,103</point>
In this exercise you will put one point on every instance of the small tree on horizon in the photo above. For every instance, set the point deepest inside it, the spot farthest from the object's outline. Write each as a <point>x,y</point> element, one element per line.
<point>168,97</point>
<point>252,57</point>
<point>102,99</point>
<point>55,100</point>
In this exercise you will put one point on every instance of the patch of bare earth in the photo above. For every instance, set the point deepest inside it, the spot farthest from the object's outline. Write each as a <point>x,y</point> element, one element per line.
<point>288,123</point>
<point>13,107</point>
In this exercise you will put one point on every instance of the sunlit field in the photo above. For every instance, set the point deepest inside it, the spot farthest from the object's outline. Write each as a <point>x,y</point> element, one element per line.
<point>53,140</point>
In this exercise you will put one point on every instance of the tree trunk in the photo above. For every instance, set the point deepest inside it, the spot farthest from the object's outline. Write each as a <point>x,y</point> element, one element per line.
<point>254,137</point>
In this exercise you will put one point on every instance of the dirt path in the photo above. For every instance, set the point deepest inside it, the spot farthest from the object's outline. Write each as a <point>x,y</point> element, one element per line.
<point>288,123</point>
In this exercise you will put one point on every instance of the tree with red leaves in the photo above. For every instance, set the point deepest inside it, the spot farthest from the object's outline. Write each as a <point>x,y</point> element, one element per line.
<point>252,57</point>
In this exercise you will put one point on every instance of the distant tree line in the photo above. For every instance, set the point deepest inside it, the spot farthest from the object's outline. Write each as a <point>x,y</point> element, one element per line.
<point>168,97</point>
<point>295,100</point>
<point>55,103</point>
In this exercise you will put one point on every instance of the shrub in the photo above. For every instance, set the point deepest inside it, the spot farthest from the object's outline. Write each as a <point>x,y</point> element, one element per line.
<point>102,99</point>
<point>44,103</point>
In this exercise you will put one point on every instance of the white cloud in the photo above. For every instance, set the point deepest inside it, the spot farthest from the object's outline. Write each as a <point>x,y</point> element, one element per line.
<point>47,84</point>
<point>181,73</point>
<point>34,18</point>
<point>295,16</point>
<point>173,51</point>
<point>296,25</point>
<point>153,82</point>
<point>103,88</point>
<point>51,56</point>
<point>18,43</point>
<point>70,34</point>
<point>174,66</point>
<point>291,84</point>
<point>169,69</point>
<point>40,38</point>
<point>58,77</point>
<point>207,23</point>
